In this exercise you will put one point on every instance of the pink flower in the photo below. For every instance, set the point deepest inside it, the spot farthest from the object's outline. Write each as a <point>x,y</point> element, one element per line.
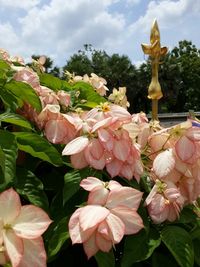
<point>101,227</point>
<point>101,146</point>
<point>25,74</point>
<point>47,96</point>
<point>164,202</point>
<point>58,127</point>
<point>21,228</point>
<point>63,98</point>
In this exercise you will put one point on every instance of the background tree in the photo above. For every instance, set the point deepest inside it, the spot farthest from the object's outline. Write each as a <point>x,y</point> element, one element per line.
<point>180,78</point>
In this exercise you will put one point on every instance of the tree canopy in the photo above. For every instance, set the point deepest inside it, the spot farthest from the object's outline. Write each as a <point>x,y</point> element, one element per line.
<point>179,75</point>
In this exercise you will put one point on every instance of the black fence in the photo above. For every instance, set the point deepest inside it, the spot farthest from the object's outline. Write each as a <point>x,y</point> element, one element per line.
<point>170,119</point>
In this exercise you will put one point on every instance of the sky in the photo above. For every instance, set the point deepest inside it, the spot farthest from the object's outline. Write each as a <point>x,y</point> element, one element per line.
<point>59,28</point>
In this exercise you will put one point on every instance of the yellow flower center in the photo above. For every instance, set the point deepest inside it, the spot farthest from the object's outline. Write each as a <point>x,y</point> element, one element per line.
<point>105,107</point>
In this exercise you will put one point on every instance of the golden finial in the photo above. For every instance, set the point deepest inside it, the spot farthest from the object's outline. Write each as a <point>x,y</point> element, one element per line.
<point>155,51</point>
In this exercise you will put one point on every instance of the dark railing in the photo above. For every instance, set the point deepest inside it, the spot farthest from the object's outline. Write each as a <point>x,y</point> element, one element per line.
<point>170,119</point>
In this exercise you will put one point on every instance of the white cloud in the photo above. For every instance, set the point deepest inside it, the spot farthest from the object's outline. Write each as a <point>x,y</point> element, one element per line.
<point>132,2</point>
<point>23,4</point>
<point>169,13</point>
<point>59,28</point>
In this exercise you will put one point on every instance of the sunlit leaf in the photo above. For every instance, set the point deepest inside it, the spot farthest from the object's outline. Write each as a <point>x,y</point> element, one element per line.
<point>38,147</point>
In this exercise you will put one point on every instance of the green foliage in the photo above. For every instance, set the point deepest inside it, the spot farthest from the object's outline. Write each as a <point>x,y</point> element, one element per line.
<point>30,187</point>
<point>105,259</point>
<point>140,246</point>
<point>38,147</point>
<point>179,243</point>
<point>58,234</point>
<point>8,156</point>
<point>54,83</point>
<point>87,93</point>
<point>23,92</point>
<point>15,119</point>
<point>71,184</point>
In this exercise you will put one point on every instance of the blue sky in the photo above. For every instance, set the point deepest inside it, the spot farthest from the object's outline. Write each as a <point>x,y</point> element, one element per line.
<point>59,28</point>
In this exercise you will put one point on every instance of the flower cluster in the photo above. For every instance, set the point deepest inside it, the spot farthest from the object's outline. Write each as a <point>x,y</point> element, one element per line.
<point>175,170</point>
<point>21,228</point>
<point>104,143</point>
<point>110,213</point>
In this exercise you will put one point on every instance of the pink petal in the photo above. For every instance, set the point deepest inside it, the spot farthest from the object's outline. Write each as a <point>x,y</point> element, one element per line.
<point>138,170</point>
<point>185,148</point>
<point>158,203</point>
<point>159,217</point>
<point>14,247</point>
<point>112,185</point>
<point>98,164</point>
<point>102,243</point>
<point>117,227</point>
<point>55,131</point>
<point>31,223</point>
<point>98,196</point>
<point>91,183</point>
<point>125,196</point>
<point>114,167</point>
<point>104,135</point>
<point>193,133</point>
<point>103,123</point>
<point>76,233</point>
<point>10,205</point>
<point>157,141</point>
<point>121,149</point>
<point>75,146</point>
<point>104,230</point>
<point>121,113</point>
<point>151,195</point>
<point>164,163</point>
<point>74,227</point>
<point>34,253</point>
<point>96,149</point>
<point>79,161</point>
<point>131,219</point>
<point>126,171</point>
<point>92,215</point>
<point>90,246</point>
<point>172,214</point>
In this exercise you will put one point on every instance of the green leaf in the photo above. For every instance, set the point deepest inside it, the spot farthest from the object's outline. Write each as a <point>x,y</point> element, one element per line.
<point>58,237</point>
<point>140,246</point>
<point>195,233</point>
<point>4,65</point>
<point>187,216</point>
<point>196,244</point>
<point>8,155</point>
<point>105,259</point>
<point>28,185</point>
<point>38,147</point>
<point>4,69</point>
<point>163,259</point>
<point>9,100</point>
<point>71,184</point>
<point>179,243</point>
<point>24,92</point>
<point>54,83</point>
<point>88,93</point>
<point>15,119</point>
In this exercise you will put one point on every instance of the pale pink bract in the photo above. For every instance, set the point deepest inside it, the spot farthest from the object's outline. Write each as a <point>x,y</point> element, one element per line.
<point>110,214</point>
<point>21,228</point>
